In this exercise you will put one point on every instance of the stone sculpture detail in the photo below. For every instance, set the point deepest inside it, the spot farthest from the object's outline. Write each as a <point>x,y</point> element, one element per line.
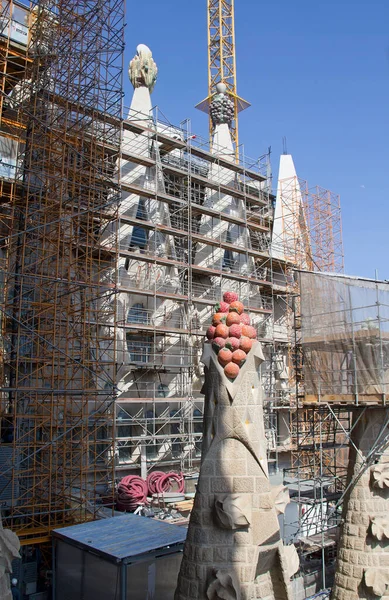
<point>380,475</point>
<point>233,549</point>
<point>9,549</point>
<point>363,559</point>
<point>292,559</point>
<point>221,109</point>
<point>223,587</point>
<point>380,527</point>
<point>143,70</point>
<point>281,498</point>
<point>233,510</point>
<point>376,581</point>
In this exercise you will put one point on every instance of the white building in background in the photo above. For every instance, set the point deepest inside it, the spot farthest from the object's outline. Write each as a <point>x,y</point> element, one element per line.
<point>193,224</point>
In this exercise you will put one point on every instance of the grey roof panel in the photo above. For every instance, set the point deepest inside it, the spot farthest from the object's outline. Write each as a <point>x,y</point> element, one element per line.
<point>124,537</point>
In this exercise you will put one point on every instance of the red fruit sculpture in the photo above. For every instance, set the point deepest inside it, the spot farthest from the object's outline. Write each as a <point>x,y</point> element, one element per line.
<point>230,297</point>
<point>237,307</point>
<point>235,331</point>
<point>211,332</point>
<point>244,319</point>
<point>239,357</point>
<point>222,331</point>
<point>231,334</point>
<point>232,319</point>
<point>222,307</point>
<point>232,343</point>
<point>249,331</point>
<point>231,370</point>
<point>218,318</point>
<point>246,343</point>
<point>224,357</point>
<point>218,343</point>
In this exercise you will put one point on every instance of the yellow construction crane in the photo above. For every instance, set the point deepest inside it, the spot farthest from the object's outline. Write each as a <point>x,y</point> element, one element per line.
<point>221,60</point>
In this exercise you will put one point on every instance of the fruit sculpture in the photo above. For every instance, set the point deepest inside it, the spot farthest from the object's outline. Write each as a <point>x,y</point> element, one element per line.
<point>231,334</point>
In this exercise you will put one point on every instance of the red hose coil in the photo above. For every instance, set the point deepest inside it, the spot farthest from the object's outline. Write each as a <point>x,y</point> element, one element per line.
<point>132,491</point>
<point>152,479</point>
<point>166,481</point>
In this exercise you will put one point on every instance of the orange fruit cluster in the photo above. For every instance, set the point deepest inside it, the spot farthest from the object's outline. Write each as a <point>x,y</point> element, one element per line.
<point>231,334</point>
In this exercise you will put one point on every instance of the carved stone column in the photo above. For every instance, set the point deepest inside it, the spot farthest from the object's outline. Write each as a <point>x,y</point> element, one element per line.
<point>363,560</point>
<point>233,549</point>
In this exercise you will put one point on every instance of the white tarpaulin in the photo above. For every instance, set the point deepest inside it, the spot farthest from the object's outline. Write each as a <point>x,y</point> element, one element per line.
<point>345,337</point>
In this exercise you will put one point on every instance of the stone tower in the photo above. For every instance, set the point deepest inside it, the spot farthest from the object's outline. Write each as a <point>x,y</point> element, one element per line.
<point>363,562</point>
<point>233,549</point>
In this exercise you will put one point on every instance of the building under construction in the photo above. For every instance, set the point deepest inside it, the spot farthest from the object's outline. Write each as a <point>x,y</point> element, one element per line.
<point>119,230</point>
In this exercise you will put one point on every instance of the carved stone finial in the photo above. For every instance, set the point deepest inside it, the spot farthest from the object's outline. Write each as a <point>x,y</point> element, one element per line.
<point>221,88</point>
<point>143,70</point>
<point>221,108</point>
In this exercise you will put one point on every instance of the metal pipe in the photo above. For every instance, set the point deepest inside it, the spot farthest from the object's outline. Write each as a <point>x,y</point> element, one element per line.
<point>123,581</point>
<point>354,359</point>
<point>54,579</point>
<point>382,374</point>
<point>323,563</point>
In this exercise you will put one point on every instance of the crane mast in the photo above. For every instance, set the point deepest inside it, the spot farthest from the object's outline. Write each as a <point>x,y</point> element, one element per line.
<point>221,60</point>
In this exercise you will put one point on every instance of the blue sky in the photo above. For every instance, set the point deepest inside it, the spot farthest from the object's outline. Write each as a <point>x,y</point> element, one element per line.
<point>315,72</point>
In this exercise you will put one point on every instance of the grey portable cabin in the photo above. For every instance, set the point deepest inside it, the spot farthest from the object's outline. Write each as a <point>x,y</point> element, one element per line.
<point>119,558</point>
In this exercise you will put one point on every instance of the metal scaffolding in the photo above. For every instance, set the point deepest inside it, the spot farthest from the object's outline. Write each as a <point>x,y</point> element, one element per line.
<point>61,107</point>
<point>192,225</point>
<point>117,235</point>
<point>323,218</point>
<point>343,334</point>
<point>310,239</point>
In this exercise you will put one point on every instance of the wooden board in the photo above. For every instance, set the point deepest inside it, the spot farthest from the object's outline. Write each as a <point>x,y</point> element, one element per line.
<point>363,399</point>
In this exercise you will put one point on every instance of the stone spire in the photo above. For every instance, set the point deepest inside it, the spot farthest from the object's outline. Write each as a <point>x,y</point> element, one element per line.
<point>290,240</point>
<point>362,570</point>
<point>233,549</point>
<point>143,70</point>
